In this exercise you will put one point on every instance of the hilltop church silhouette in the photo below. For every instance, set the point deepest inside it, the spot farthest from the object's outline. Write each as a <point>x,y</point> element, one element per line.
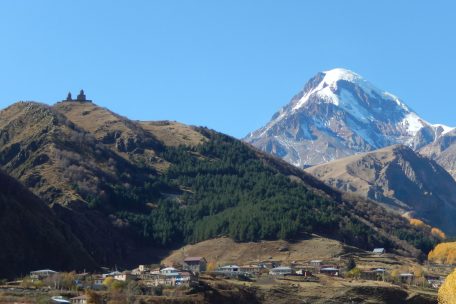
<point>81,97</point>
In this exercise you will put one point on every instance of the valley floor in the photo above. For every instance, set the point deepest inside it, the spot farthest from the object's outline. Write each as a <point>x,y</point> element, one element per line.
<point>276,291</point>
<point>215,286</point>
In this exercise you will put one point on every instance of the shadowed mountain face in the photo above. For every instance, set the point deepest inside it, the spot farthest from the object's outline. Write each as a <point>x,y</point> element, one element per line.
<point>399,178</point>
<point>339,114</point>
<point>83,178</point>
<point>443,151</point>
<point>32,236</point>
<point>129,191</point>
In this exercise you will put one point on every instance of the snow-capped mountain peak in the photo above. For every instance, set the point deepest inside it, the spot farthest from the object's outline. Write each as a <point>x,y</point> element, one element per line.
<point>339,113</point>
<point>328,86</point>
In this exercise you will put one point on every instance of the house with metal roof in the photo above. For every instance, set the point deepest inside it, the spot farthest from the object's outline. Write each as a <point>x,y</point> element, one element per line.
<point>195,264</point>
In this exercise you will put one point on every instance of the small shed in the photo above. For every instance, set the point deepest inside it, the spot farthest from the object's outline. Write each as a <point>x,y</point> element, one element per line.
<point>379,251</point>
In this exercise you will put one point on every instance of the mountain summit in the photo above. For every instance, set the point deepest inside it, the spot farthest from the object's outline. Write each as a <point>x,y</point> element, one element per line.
<point>338,113</point>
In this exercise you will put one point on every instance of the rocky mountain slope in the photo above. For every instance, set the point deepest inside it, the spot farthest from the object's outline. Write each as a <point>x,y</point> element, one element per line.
<point>400,179</point>
<point>443,151</point>
<point>130,191</point>
<point>337,114</point>
<point>32,236</point>
<point>82,178</point>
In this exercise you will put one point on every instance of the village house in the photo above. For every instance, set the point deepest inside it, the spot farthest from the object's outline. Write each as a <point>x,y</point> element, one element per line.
<point>281,270</point>
<point>97,281</point>
<point>41,274</point>
<point>375,274</point>
<point>169,271</point>
<point>406,278</point>
<point>160,280</point>
<point>124,276</point>
<point>169,276</point>
<point>111,274</point>
<point>141,269</point>
<point>79,300</point>
<point>316,264</point>
<point>185,278</point>
<point>304,271</point>
<point>435,281</point>
<point>330,271</point>
<point>269,264</point>
<point>195,264</point>
<point>229,268</point>
<point>253,269</point>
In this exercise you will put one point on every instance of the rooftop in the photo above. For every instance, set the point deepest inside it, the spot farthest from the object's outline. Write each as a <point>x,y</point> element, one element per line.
<point>44,271</point>
<point>193,259</point>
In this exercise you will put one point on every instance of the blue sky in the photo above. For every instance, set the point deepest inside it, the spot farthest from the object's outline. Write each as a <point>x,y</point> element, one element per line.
<point>228,65</point>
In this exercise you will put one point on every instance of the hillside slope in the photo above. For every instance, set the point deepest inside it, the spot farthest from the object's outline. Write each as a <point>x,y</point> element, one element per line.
<point>83,179</point>
<point>443,151</point>
<point>399,178</point>
<point>131,190</point>
<point>32,237</point>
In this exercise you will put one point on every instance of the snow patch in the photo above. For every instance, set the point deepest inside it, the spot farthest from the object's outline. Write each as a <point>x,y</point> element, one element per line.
<point>392,97</point>
<point>445,128</point>
<point>413,123</point>
<point>328,96</point>
<point>349,103</point>
<point>328,85</point>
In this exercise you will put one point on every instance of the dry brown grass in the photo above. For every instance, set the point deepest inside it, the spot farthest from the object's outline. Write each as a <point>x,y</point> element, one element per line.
<point>173,133</point>
<point>225,251</point>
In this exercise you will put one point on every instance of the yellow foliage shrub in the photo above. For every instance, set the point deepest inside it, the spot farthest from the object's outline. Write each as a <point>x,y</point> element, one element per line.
<point>438,233</point>
<point>447,292</point>
<point>417,222</point>
<point>211,266</point>
<point>444,253</point>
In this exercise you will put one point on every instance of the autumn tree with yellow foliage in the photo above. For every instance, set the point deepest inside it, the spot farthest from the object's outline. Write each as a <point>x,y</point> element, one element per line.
<point>434,231</point>
<point>447,292</point>
<point>443,253</point>
<point>417,222</point>
<point>438,233</point>
<point>211,266</point>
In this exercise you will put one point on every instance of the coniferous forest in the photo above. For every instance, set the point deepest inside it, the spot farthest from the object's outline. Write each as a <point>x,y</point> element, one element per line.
<point>226,190</point>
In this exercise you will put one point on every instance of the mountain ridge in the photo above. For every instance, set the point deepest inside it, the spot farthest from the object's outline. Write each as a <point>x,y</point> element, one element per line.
<point>443,151</point>
<point>338,113</point>
<point>400,179</point>
<point>130,191</point>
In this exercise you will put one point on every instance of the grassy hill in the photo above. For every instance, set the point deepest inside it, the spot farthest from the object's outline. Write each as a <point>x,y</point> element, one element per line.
<point>130,189</point>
